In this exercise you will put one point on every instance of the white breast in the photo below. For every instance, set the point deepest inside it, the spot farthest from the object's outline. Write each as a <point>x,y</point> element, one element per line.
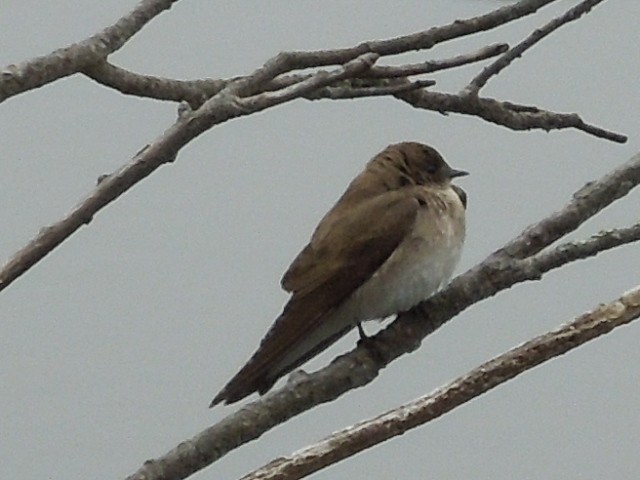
<point>422,263</point>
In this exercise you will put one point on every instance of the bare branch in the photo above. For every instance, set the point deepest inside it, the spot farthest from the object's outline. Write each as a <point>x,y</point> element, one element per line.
<point>585,203</point>
<point>437,65</point>
<point>572,251</point>
<point>288,61</point>
<point>514,116</point>
<point>218,109</point>
<point>39,71</point>
<point>272,75</point>
<point>501,270</point>
<point>90,57</point>
<point>318,80</point>
<point>416,41</point>
<point>82,56</point>
<point>347,91</point>
<point>503,62</point>
<point>495,372</point>
<point>195,92</point>
<point>504,114</point>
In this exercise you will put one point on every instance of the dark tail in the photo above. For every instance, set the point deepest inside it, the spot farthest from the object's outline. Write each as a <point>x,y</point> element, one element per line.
<point>259,374</point>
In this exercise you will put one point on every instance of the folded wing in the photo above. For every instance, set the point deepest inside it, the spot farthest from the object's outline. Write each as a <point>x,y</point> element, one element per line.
<point>344,252</point>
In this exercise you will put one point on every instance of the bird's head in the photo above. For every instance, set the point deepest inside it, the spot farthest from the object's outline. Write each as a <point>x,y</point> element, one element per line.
<point>418,164</point>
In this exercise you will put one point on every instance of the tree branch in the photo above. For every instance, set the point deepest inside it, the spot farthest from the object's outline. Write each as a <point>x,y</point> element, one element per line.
<point>347,91</point>
<point>417,41</point>
<point>90,57</point>
<point>15,79</point>
<point>501,270</point>
<point>500,369</point>
<point>318,80</point>
<point>580,250</point>
<point>437,65</point>
<point>195,92</point>
<point>507,114</point>
<point>220,108</point>
<point>505,60</point>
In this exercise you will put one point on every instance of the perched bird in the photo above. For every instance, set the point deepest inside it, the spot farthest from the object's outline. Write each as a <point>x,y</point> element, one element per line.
<point>392,239</point>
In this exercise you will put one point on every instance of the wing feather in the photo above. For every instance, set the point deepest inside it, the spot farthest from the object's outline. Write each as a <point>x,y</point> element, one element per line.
<point>343,254</point>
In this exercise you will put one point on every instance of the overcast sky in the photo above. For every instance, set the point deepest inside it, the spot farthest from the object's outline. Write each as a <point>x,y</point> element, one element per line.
<point>112,347</point>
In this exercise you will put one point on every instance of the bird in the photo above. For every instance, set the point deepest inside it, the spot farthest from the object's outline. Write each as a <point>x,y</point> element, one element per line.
<point>391,240</point>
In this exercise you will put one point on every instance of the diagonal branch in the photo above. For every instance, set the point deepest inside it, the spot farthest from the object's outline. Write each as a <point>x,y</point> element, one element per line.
<point>501,270</point>
<point>195,92</point>
<point>507,114</point>
<point>220,108</point>
<point>495,372</point>
<point>572,251</point>
<point>15,79</point>
<point>437,65</point>
<point>505,60</point>
<point>320,79</point>
<point>584,204</point>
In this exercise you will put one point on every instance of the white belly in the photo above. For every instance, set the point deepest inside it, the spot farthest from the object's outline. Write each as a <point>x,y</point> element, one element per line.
<point>411,275</point>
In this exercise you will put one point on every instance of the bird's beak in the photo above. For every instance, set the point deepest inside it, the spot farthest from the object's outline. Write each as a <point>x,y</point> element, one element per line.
<point>457,173</point>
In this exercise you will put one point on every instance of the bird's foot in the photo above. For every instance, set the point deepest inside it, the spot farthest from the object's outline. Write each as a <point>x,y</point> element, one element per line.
<point>363,336</point>
<point>370,344</point>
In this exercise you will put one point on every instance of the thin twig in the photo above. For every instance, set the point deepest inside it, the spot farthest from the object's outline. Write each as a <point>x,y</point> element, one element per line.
<point>496,112</point>
<point>319,79</point>
<point>431,66</point>
<point>584,204</point>
<point>340,92</point>
<point>505,60</point>
<point>579,250</point>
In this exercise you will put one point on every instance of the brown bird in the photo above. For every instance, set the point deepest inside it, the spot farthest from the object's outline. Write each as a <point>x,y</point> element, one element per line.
<point>392,239</point>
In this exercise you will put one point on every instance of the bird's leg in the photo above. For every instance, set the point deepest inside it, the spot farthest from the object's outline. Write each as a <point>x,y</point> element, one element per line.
<point>370,344</point>
<point>363,336</point>
<point>364,340</point>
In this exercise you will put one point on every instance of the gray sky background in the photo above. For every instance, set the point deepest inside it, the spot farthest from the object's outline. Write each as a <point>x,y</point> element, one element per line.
<point>112,347</point>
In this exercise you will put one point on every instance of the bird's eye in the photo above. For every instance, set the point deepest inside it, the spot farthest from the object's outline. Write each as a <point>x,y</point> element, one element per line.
<point>432,168</point>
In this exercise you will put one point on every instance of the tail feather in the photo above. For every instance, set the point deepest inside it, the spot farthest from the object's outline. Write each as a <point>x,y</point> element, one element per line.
<point>267,364</point>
